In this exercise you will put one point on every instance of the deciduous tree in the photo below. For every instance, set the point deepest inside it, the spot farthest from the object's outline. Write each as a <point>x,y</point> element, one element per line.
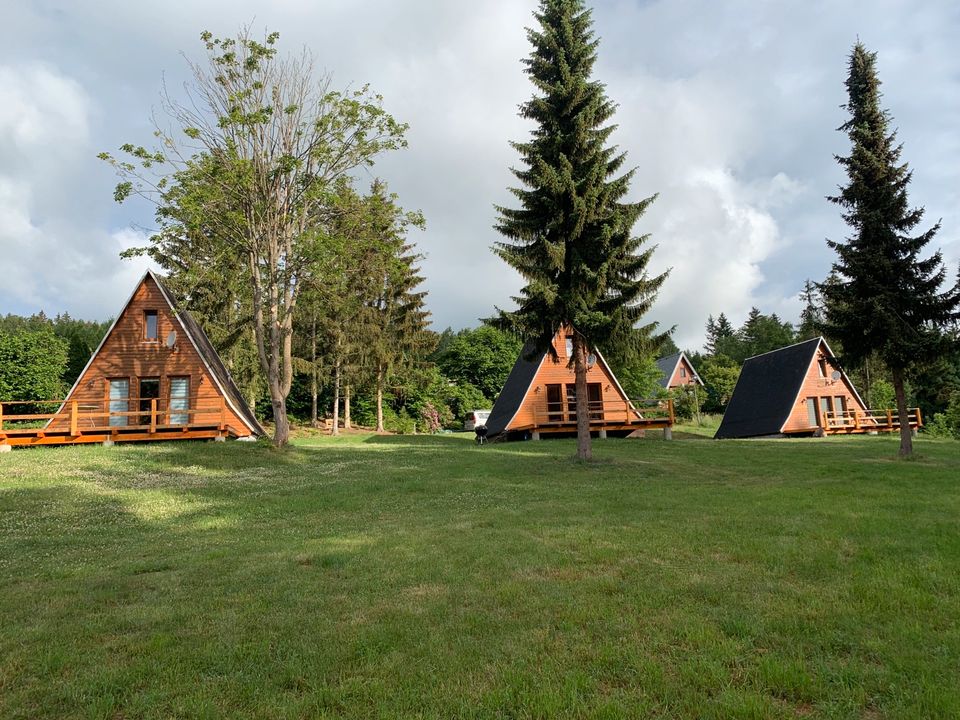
<point>264,142</point>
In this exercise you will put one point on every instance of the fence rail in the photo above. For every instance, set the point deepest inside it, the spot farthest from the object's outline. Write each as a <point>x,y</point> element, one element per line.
<point>563,413</point>
<point>74,420</point>
<point>886,420</point>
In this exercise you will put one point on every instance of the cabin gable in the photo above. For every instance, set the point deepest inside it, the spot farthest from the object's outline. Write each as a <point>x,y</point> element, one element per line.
<point>825,388</point>
<point>136,364</point>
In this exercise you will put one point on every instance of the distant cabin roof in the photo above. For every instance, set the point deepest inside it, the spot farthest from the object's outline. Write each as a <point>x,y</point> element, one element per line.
<point>667,365</point>
<point>766,391</point>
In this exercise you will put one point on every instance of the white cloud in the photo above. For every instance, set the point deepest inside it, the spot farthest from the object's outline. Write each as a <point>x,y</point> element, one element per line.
<point>727,109</point>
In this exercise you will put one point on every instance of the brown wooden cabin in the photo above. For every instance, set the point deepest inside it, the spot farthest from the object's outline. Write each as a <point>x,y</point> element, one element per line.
<point>154,376</point>
<point>800,390</point>
<point>539,398</point>
<point>677,371</point>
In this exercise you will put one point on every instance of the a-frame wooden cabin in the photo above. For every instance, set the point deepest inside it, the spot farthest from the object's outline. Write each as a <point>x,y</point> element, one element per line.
<point>800,390</point>
<point>677,371</point>
<point>539,398</point>
<point>154,376</point>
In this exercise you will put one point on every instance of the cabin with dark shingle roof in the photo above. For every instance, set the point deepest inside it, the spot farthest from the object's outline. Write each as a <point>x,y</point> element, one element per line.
<point>796,390</point>
<point>677,371</point>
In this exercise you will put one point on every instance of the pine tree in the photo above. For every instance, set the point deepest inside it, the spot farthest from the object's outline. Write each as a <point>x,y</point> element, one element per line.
<point>571,239</point>
<point>888,298</point>
<point>811,317</point>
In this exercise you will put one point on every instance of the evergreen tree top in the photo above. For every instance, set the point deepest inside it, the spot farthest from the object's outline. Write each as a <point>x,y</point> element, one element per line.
<point>571,236</point>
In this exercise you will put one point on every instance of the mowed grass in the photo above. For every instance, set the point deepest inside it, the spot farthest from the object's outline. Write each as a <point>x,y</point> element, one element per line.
<point>426,577</point>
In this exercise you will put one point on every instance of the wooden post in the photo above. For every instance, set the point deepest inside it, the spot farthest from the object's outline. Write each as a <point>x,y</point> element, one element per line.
<point>223,412</point>
<point>890,419</point>
<point>672,416</point>
<point>919,419</point>
<point>1,416</point>
<point>856,419</point>
<point>73,418</point>
<point>153,415</point>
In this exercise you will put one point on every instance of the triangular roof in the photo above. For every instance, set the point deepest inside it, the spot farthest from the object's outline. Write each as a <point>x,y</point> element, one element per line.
<point>201,343</point>
<point>668,366</point>
<point>518,383</point>
<point>768,388</point>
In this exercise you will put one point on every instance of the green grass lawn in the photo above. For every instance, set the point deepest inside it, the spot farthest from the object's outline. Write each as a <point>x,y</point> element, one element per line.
<point>427,577</point>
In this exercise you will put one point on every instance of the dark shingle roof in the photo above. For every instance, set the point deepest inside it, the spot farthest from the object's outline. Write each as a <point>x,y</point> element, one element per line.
<point>514,390</point>
<point>766,390</point>
<point>667,365</point>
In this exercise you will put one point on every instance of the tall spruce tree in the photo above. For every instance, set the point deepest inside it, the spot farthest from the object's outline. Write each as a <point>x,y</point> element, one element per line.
<point>571,238</point>
<point>887,299</point>
<point>811,317</point>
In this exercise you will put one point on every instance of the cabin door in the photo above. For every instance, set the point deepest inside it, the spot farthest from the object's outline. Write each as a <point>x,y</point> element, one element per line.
<point>179,400</point>
<point>554,403</point>
<point>149,391</point>
<point>119,401</point>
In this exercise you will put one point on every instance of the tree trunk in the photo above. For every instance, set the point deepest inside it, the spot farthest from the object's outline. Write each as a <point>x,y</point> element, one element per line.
<point>336,399</point>
<point>379,398</point>
<point>313,374</point>
<point>906,432</point>
<point>281,431</point>
<point>580,351</point>
<point>346,408</point>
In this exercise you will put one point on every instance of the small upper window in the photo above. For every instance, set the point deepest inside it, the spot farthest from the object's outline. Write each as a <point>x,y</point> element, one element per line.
<point>569,346</point>
<point>683,371</point>
<point>150,330</point>
<point>823,367</point>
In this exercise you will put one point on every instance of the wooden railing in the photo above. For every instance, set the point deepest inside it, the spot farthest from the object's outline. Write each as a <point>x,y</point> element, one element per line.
<point>77,419</point>
<point>869,420</point>
<point>603,412</point>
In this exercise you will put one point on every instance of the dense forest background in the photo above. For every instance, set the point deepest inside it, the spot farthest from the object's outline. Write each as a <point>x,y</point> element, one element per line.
<point>452,372</point>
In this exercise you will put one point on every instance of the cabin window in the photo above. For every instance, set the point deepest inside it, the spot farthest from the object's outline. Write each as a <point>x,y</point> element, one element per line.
<point>554,403</point>
<point>840,404</point>
<point>683,371</point>
<point>119,401</point>
<point>179,400</point>
<point>569,346</point>
<point>150,328</point>
<point>812,412</point>
<point>572,403</point>
<point>823,367</point>
<point>826,406</point>
<point>149,391</point>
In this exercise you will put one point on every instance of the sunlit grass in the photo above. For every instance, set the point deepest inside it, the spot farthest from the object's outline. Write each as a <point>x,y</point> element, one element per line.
<point>427,577</point>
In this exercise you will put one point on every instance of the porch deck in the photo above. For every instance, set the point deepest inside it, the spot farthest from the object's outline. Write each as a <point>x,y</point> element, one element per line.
<point>608,416</point>
<point>74,424</point>
<point>850,422</point>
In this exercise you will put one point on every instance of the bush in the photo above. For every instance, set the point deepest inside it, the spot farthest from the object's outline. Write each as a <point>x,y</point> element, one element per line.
<point>947,423</point>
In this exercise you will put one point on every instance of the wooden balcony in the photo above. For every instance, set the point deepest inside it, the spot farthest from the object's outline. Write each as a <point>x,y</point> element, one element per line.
<point>75,424</point>
<point>850,422</point>
<point>609,416</point>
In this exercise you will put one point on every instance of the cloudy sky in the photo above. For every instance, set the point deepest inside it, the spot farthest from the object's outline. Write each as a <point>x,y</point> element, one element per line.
<point>727,109</point>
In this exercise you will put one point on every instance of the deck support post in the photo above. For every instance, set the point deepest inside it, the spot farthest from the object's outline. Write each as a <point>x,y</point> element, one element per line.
<point>668,433</point>
<point>220,438</point>
<point>108,442</point>
<point>535,435</point>
<point>5,448</point>
<point>603,433</point>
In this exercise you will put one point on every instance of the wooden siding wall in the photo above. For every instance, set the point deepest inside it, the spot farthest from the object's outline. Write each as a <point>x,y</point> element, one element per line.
<point>126,354</point>
<point>557,373</point>
<point>677,379</point>
<point>815,386</point>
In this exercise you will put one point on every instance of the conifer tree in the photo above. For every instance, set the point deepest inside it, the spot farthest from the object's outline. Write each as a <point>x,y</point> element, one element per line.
<point>811,317</point>
<point>571,238</point>
<point>888,299</point>
<point>719,333</point>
